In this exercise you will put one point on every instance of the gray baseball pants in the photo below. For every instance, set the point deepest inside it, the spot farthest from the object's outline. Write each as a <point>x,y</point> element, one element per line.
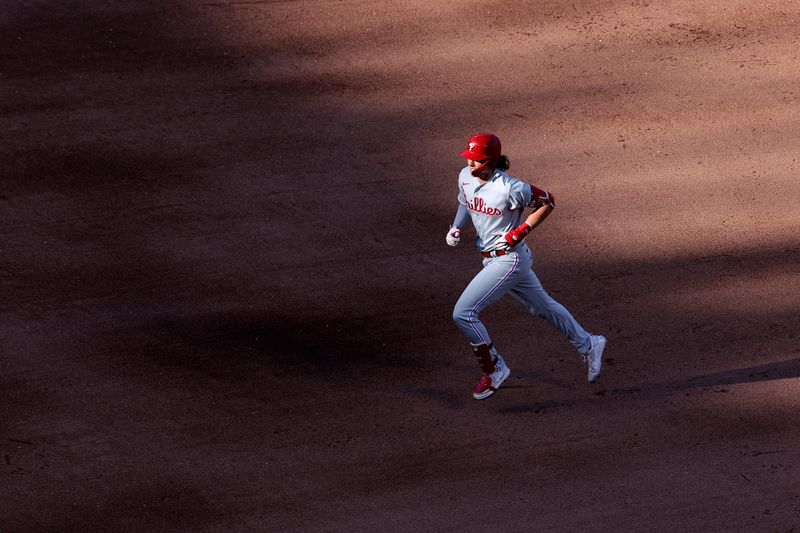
<point>512,273</point>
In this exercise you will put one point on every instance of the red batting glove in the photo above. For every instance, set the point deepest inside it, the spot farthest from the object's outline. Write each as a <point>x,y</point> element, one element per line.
<point>517,235</point>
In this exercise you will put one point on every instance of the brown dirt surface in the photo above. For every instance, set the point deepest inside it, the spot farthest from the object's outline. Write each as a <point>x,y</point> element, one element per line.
<point>226,297</point>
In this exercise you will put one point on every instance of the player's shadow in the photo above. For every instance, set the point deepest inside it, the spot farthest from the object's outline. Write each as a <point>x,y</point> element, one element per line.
<point>789,369</point>
<point>767,372</point>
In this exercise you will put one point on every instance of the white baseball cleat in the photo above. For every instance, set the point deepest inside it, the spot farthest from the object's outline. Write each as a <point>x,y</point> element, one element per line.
<point>595,357</point>
<point>489,383</point>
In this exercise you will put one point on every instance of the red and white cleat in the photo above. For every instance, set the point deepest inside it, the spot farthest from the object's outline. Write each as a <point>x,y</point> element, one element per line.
<point>489,383</point>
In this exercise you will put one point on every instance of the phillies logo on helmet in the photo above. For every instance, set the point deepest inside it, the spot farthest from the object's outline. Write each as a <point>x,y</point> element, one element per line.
<point>482,146</point>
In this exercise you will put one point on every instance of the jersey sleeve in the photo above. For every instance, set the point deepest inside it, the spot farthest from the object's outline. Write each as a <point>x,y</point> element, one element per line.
<point>519,194</point>
<point>461,218</point>
<point>461,198</point>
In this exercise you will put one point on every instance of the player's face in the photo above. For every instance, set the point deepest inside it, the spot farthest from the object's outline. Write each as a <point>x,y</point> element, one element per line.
<point>485,171</point>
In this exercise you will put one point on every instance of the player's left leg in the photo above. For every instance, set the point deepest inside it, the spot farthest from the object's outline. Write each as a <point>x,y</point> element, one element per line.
<point>530,292</point>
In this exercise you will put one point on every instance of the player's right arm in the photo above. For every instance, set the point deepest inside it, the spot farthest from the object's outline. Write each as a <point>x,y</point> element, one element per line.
<point>454,234</point>
<point>462,215</point>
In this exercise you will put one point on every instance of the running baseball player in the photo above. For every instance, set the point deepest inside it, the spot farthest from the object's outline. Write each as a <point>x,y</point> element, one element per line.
<point>496,203</point>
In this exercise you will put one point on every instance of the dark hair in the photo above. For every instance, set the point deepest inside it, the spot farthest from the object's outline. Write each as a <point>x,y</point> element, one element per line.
<point>503,163</point>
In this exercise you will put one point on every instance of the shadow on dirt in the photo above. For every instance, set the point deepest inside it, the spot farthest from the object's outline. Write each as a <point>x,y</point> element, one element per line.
<point>257,343</point>
<point>159,501</point>
<point>789,369</point>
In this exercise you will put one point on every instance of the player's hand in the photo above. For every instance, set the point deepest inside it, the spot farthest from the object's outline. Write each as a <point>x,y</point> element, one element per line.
<point>517,235</point>
<point>453,236</point>
<point>499,243</point>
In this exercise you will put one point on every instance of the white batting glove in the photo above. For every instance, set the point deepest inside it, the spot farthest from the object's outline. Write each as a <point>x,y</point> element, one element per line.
<point>453,236</point>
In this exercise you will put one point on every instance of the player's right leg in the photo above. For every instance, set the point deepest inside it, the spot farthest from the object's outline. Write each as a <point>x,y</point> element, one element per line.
<point>497,277</point>
<point>495,372</point>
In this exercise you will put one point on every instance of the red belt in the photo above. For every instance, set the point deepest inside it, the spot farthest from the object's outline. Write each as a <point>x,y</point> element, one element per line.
<point>496,253</point>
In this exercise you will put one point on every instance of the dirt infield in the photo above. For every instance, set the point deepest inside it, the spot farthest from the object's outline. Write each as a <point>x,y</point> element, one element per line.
<point>226,296</point>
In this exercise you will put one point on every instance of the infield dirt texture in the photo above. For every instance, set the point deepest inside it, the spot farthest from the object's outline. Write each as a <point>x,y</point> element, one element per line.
<point>226,295</point>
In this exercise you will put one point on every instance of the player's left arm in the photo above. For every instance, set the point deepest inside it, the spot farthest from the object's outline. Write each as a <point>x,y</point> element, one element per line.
<point>538,216</point>
<point>543,204</point>
<point>541,198</point>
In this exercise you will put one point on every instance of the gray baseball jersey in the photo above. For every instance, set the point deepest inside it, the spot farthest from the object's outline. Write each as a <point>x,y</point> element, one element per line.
<point>495,207</point>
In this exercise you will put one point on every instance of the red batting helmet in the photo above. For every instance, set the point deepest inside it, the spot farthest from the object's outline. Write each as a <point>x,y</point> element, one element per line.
<point>482,146</point>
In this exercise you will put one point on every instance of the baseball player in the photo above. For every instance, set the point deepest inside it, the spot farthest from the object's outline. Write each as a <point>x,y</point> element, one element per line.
<point>496,203</point>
